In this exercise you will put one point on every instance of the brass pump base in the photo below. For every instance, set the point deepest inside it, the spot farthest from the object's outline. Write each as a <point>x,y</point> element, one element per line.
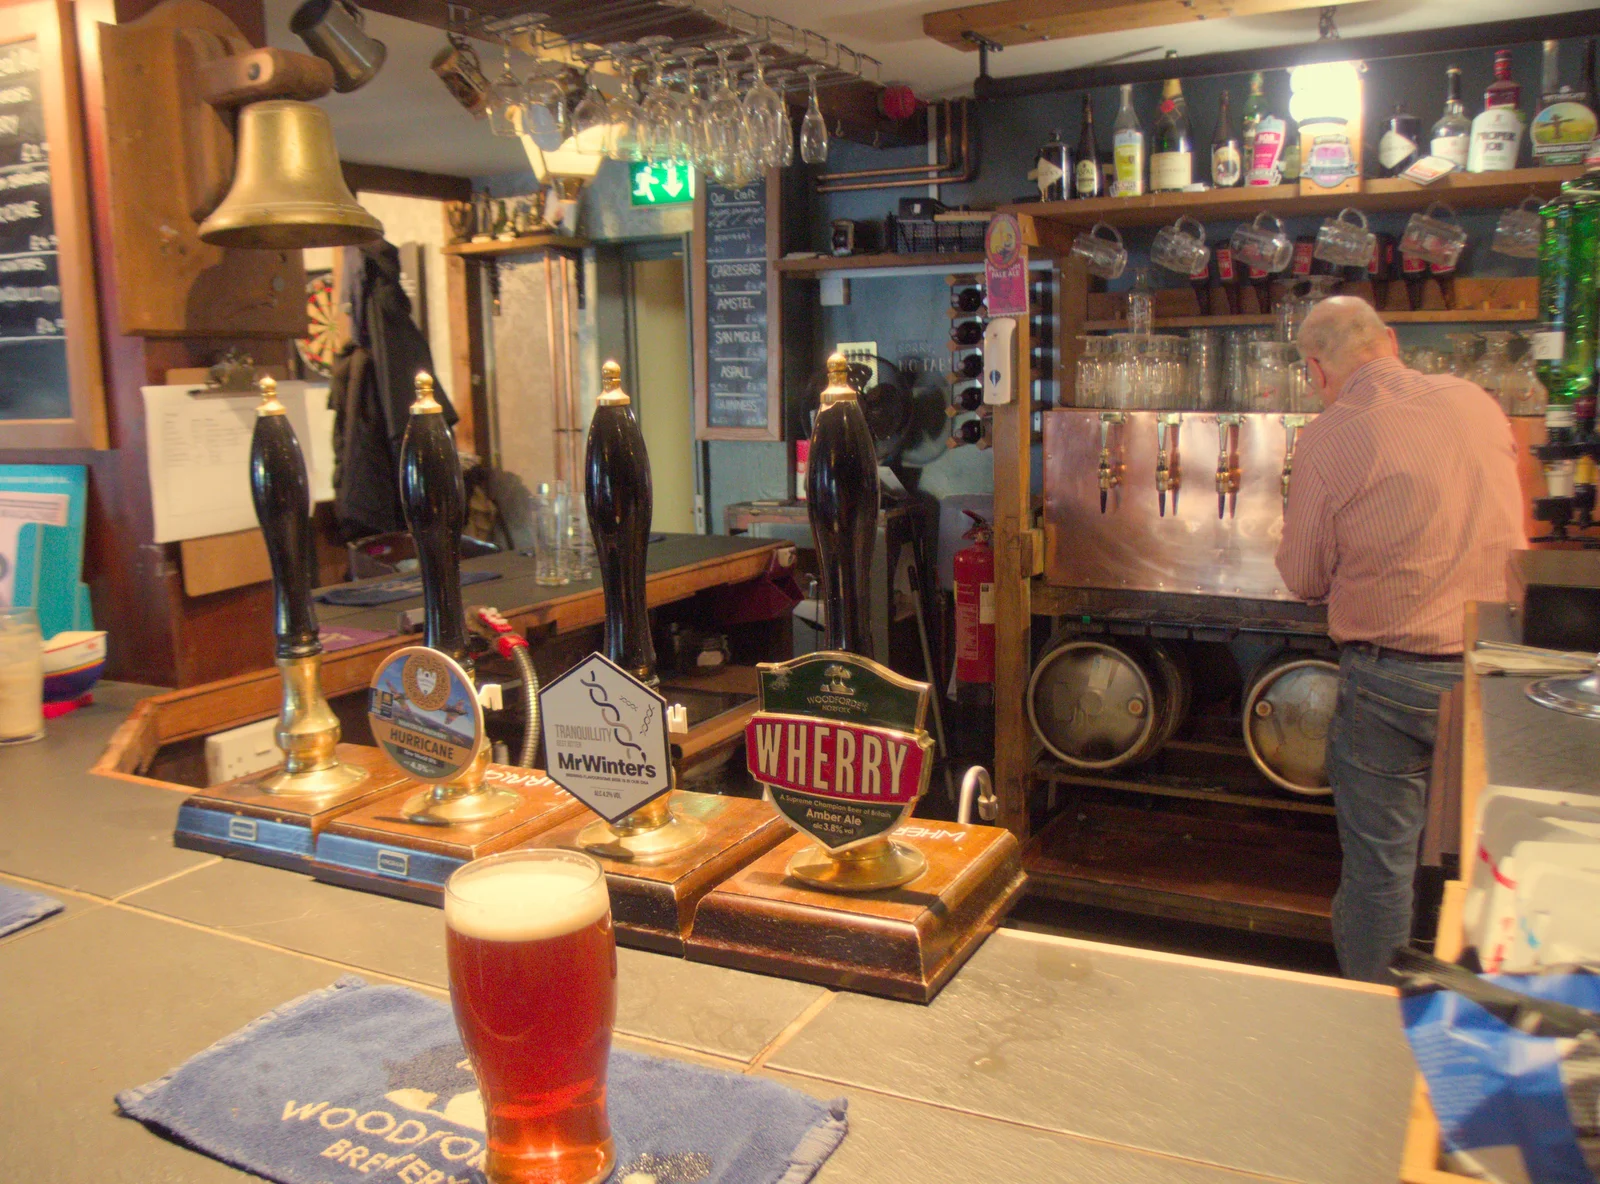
<point>650,832</point>
<point>871,867</point>
<point>313,783</point>
<point>467,799</point>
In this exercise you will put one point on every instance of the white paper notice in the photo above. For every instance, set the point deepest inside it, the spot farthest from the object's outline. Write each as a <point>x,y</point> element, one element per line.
<point>199,452</point>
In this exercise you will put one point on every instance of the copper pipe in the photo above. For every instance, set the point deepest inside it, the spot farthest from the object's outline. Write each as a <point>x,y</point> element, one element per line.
<point>857,174</point>
<point>915,174</point>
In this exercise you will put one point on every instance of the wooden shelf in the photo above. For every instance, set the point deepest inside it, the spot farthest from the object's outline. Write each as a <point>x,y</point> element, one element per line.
<point>817,264</point>
<point>1447,316</point>
<point>514,246</point>
<point>1459,191</point>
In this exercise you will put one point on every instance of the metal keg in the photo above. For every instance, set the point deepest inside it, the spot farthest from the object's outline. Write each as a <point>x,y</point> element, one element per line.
<point>1106,704</point>
<point>1287,712</point>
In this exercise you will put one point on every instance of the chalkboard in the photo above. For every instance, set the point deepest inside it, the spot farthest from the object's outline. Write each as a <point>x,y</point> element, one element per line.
<point>34,381</point>
<point>737,382</point>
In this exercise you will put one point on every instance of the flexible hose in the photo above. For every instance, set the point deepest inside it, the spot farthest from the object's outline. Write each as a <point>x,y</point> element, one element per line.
<point>530,702</point>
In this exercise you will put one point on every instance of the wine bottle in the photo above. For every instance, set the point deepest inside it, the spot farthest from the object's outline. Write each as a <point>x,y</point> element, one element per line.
<point>1452,131</point>
<point>1227,274</point>
<point>1398,145</point>
<point>1227,168</point>
<point>970,366</point>
<point>1255,106</point>
<point>1088,180</point>
<point>969,398</point>
<point>1414,271</point>
<point>970,431</point>
<point>967,332</point>
<point>1171,149</point>
<point>1380,268</point>
<point>1565,125</point>
<point>1053,168</point>
<point>1497,130</point>
<point>967,299</point>
<point>1127,147</point>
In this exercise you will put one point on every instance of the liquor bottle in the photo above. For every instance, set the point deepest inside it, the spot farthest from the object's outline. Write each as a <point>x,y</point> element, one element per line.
<point>1261,281</point>
<point>1549,342</point>
<point>1565,125</point>
<point>1226,274</point>
<point>1497,130</point>
<point>967,333</point>
<point>1088,180</point>
<point>1255,106</point>
<point>967,298</point>
<point>1127,148</point>
<point>1171,149</point>
<point>1452,131</point>
<point>1200,281</point>
<point>1053,168</point>
<point>1227,168</point>
<point>1380,268</point>
<point>1398,145</point>
<point>1445,277</point>
<point>1414,271</point>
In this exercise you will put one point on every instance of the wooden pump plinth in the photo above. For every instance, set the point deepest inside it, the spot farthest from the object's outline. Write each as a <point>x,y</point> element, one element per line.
<point>664,856</point>
<point>407,842</point>
<point>273,817</point>
<point>862,898</point>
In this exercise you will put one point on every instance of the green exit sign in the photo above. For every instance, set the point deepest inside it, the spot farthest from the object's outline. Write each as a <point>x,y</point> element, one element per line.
<point>660,182</point>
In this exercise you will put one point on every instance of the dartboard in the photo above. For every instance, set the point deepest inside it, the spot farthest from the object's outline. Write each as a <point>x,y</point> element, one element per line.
<point>318,346</point>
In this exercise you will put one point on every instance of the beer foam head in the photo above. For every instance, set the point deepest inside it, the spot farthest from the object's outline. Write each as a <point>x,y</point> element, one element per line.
<point>521,899</point>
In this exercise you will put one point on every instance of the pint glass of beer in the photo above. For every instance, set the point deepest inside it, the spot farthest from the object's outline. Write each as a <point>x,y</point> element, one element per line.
<point>533,981</point>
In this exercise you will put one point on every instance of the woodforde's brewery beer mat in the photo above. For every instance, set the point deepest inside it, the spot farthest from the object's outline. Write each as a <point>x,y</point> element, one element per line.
<point>33,331</point>
<point>736,306</point>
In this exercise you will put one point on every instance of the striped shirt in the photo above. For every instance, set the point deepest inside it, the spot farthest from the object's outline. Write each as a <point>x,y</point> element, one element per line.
<point>1404,505</point>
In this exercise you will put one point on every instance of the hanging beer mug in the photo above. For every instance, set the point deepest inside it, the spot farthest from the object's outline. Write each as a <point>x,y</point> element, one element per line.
<point>335,32</point>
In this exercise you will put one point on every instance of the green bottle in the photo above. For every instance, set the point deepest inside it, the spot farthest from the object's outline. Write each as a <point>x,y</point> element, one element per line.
<point>1564,347</point>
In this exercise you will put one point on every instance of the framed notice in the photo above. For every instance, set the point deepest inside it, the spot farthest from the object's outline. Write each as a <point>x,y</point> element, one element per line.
<point>51,388</point>
<point>738,388</point>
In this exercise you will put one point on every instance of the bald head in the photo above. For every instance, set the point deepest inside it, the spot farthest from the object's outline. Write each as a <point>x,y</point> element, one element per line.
<point>1338,337</point>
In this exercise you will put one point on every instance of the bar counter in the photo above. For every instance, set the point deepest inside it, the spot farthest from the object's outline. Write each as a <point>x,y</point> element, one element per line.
<point>1045,1059</point>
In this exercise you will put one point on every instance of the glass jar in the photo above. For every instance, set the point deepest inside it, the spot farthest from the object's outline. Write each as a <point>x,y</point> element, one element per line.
<point>1492,371</point>
<point>21,677</point>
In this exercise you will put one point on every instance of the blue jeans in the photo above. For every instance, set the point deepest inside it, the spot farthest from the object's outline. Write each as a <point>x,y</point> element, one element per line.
<point>1380,748</point>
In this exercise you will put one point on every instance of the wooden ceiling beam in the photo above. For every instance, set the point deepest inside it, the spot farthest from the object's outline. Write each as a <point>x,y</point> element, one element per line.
<point>1022,22</point>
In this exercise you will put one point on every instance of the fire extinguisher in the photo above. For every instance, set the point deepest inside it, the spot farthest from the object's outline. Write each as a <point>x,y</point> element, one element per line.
<point>974,580</point>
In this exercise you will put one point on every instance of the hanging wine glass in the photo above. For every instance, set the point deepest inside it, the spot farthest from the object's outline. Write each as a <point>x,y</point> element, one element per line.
<point>656,108</point>
<point>505,101</point>
<point>763,113</point>
<point>623,142</point>
<point>702,83</point>
<point>591,120</point>
<point>779,81</point>
<point>813,128</point>
<point>726,119</point>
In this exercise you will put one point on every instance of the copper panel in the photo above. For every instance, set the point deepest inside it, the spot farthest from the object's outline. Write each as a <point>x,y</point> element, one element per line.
<point>1132,545</point>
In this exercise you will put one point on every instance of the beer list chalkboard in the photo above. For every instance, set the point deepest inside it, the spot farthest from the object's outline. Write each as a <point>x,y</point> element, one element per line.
<point>736,306</point>
<point>33,331</point>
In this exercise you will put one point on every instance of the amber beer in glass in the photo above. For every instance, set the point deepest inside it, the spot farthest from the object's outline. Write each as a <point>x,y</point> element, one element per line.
<point>533,981</point>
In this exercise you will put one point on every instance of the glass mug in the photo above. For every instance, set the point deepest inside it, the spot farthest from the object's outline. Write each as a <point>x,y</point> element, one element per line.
<point>1343,243</point>
<point>1436,240</point>
<point>1262,247</point>
<point>1178,250</point>
<point>1518,231</point>
<point>533,984</point>
<point>1103,257</point>
<point>21,677</point>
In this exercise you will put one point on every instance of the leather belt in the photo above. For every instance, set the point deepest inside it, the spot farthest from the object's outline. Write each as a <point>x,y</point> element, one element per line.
<point>1375,651</point>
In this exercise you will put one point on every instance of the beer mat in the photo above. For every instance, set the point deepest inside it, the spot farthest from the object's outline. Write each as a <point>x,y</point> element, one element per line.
<point>337,637</point>
<point>357,1082</point>
<point>19,909</point>
<point>388,591</point>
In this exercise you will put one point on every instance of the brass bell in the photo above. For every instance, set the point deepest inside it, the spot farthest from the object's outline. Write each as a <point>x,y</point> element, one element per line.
<point>288,190</point>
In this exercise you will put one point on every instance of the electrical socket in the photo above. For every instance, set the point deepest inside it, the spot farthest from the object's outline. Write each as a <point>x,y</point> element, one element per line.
<point>239,752</point>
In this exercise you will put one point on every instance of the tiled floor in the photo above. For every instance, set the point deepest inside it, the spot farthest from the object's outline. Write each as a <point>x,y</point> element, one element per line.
<point>1044,1060</point>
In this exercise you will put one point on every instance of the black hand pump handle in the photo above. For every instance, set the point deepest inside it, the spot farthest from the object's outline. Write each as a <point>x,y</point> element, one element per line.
<point>842,496</point>
<point>620,504</point>
<point>435,505</point>
<point>282,498</point>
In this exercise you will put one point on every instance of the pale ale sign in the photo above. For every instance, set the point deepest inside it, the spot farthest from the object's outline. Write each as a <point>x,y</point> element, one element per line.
<point>839,744</point>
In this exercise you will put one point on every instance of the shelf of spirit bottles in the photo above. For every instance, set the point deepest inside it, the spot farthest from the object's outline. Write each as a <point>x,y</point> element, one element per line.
<point>1459,191</point>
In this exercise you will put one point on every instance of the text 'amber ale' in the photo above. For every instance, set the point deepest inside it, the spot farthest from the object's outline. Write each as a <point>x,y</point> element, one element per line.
<point>533,981</point>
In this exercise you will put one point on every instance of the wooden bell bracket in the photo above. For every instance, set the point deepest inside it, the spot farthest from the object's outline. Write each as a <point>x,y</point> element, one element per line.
<point>217,76</point>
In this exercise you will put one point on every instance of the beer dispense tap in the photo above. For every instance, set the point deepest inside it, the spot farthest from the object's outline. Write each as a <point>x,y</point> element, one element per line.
<point>308,730</point>
<point>1110,472</point>
<point>620,504</point>
<point>1169,475</point>
<point>434,502</point>
<point>842,498</point>
<point>1291,429</point>
<point>1228,474</point>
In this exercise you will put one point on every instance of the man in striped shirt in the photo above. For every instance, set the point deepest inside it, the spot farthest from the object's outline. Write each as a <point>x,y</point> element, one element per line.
<point>1403,505</point>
